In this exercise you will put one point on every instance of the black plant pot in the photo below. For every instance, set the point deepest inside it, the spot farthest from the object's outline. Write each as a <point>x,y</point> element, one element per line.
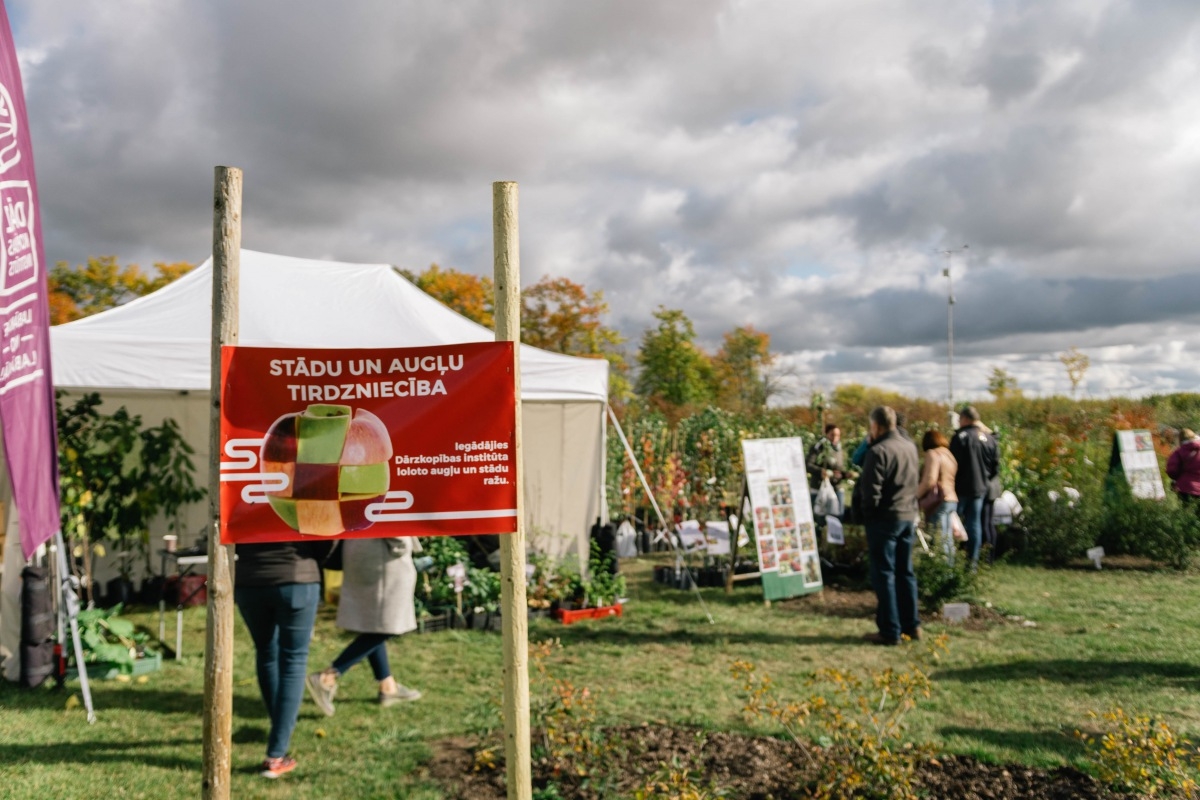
<point>479,620</point>
<point>118,590</point>
<point>152,590</point>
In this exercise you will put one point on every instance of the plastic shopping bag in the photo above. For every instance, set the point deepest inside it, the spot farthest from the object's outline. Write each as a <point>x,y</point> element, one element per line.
<point>826,501</point>
<point>957,528</point>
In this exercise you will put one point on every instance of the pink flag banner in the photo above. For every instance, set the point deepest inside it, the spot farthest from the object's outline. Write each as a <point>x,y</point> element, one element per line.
<point>26,389</point>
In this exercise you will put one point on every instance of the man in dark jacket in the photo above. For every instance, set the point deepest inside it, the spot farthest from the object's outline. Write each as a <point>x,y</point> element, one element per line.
<point>974,448</point>
<point>886,496</point>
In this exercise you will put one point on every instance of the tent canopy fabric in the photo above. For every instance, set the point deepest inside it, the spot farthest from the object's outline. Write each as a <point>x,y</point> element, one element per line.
<point>162,341</point>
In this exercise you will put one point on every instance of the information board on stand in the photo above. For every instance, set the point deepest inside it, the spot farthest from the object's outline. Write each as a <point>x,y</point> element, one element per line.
<point>781,511</point>
<point>1134,455</point>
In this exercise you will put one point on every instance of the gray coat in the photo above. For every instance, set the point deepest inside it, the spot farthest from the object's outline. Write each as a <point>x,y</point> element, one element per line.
<point>378,583</point>
<point>887,490</point>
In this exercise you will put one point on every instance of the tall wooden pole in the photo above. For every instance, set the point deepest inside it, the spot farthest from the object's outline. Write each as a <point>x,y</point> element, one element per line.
<point>218,650</point>
<point>506,247</point>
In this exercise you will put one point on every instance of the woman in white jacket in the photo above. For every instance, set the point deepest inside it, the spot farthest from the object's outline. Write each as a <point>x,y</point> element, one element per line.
<point>378,584</point>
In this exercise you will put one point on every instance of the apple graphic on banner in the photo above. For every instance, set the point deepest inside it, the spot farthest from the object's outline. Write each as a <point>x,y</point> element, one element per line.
<point>336,460</point>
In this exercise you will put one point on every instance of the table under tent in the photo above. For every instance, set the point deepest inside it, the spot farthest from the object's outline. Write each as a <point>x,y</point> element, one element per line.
<point>152,356</point>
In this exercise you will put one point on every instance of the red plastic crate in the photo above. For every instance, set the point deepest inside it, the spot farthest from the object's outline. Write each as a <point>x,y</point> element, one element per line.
<point>570,617</point>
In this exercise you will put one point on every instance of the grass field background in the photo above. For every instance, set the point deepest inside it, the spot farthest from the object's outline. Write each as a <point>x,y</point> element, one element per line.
<point>1007,692</point>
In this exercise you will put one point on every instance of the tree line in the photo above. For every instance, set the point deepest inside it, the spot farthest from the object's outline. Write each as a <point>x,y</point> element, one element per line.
<point>668,373</point>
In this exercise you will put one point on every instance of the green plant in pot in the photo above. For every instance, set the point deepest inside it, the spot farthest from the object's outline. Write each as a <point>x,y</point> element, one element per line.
<point>604,586</point>
<point>116,477</point>
<point>107,638</point>
<point>483,591</point>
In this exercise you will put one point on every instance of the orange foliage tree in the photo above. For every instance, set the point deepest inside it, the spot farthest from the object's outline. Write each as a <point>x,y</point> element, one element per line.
<point>102,283</point>
<point>471,295</point>
<point>740,370</point>
<point>560,315</point>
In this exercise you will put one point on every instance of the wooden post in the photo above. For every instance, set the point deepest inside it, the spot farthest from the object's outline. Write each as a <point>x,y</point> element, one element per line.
<point>506,250</point>
<point>218,648</point>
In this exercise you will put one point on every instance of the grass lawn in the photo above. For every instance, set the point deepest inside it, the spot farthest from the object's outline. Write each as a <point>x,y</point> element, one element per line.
<point>1006,692</point>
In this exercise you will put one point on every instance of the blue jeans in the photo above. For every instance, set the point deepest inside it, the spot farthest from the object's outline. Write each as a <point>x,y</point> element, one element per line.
<point>970,510</point>
<point>371,646</point>
<point>939,525</point>
<point>280,620</point>
<point>890,545</point>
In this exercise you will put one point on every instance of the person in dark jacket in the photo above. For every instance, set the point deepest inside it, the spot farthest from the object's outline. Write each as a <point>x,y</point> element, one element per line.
<point>1183,467</point>
<point>886,496</point>
<point>277,588</point>
<point>974,448</point>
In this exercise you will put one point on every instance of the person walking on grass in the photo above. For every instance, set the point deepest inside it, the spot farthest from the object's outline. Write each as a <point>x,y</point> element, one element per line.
<point>886,494</point>
<point>378,584</point>
<point>974,448</point>
<point>277,588</point>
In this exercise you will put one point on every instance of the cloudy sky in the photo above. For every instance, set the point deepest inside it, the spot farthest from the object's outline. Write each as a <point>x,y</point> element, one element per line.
<point>795,166</point>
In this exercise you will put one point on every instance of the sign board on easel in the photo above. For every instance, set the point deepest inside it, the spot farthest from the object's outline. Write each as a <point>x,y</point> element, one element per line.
<point>781,512</point>
<point>1134,456</point>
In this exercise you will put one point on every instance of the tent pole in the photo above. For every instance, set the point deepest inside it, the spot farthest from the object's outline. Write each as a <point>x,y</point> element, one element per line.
<point>507,281</point>
<point>69,607</point>
<point>218,651</point>
<point>646,486</point>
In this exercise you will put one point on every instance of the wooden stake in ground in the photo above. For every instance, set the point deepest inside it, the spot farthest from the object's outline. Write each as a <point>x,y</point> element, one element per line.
<point>218,649</point>
<point>506,245</point>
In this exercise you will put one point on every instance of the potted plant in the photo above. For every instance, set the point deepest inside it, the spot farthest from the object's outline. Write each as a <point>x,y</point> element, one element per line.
<point>116,477</point>
<point>483,595</point>
<point>112,646</point>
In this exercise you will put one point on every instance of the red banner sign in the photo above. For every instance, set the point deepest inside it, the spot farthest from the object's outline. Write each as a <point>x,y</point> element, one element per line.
<point>367,443</point>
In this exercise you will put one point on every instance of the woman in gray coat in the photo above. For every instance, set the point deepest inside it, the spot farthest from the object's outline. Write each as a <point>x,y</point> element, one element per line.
<point>378,584</point>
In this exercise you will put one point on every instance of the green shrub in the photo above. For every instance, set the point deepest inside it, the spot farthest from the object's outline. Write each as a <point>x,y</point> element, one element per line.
<point>939,582</point>
<point>1056,532</point>
<point>1161,530</point>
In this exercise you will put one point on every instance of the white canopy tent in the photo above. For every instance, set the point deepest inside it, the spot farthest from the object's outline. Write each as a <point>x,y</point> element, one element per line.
<point>152,356</point>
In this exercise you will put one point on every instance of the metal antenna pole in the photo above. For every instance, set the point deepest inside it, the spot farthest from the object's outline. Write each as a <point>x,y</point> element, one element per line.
<point>949,254</point>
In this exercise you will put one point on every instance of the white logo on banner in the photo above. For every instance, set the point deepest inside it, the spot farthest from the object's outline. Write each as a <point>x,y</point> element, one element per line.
<point>10,153</point>
<point>246,450</point>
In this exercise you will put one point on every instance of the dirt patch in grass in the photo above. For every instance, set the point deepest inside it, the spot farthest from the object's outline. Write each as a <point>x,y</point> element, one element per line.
<point>755,768</point>
<point>833,601</point>
<point>846,603</point>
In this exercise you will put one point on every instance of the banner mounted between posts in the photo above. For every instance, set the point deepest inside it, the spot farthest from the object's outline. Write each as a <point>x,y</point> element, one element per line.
<point>349,444</point>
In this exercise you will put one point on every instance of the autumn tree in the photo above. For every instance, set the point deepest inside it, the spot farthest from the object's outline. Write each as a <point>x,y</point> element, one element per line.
<point>471,295</point>
<point>562,316</point>
<point>675,373</point>
<point>1003,384</point>
<point>1076,364</point>
<point>101,284</point>
<point>741,370</point>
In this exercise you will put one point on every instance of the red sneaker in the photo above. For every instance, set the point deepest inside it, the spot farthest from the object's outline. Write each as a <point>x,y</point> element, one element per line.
<point>275,767</point>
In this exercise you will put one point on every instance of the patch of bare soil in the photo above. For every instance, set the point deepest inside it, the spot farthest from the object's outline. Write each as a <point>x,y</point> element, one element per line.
<point>756,768</point>
<point>834,602</point>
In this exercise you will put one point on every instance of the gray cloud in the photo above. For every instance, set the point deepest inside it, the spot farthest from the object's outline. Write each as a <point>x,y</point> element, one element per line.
<point>792,166</point>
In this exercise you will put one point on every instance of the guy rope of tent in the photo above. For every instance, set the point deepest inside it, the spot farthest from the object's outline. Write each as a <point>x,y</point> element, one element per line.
<point>661,520</point>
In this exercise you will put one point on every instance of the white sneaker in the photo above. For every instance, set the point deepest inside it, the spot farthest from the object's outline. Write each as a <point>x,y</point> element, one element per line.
<point>401,695</point>
<point>321,694</point>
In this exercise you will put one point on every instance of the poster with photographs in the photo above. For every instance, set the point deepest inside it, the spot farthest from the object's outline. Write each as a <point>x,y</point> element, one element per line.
<point>782,513</point>
<point>1134,452</point>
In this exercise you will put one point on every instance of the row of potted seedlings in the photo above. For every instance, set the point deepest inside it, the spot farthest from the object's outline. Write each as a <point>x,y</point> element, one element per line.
<point>451,594</point>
